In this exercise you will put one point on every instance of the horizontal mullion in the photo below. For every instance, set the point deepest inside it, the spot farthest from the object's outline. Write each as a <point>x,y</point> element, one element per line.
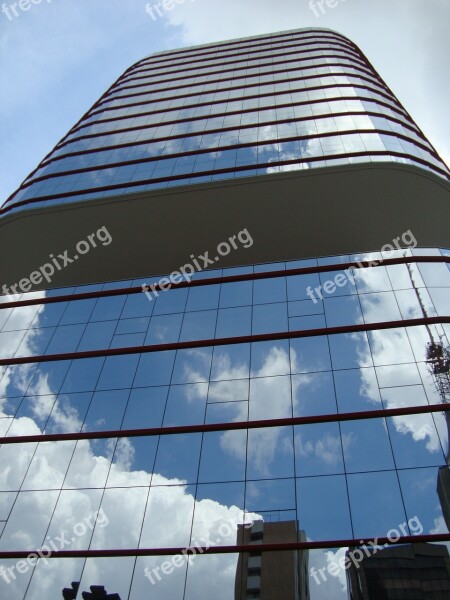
<point>315,88</point>
<point>315,44</point>
<point>236,549</point>
<point>229,279</point>
<point>234,426</point>
<point>367,72</point>
<point>245,126</point>
<point>251,44</point>
<point>245,86</point>
<point>208,150</point>
<point>10,204</point>
<point>248,49</point>
<point>62,143</point>
<point>245,339</point>
<point>129,78</point>
<point>298,67</point>
<point>193,134</point>
<point>244,111</point>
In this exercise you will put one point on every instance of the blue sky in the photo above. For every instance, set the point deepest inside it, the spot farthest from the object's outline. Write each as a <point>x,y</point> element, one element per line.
<point>59,56</point>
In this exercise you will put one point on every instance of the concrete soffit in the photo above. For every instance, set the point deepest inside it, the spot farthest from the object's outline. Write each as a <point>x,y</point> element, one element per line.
<point>292,215</point>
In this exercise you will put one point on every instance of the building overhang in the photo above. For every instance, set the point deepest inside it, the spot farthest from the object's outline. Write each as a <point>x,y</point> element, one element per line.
<point>292,215</point>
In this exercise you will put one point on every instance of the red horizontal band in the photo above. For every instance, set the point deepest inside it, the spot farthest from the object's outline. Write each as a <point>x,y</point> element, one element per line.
<point>393,106</point>
<point>311,159</point>
<point>256,109</point>
<point>272,51</point>
<point>265,337</point>
<point>337,54</point>
<point>255,144</point>
<point>100,109</point>
<point>234,426</point>
<point>230,279</point>
<point>249,49</point>
<point>191,85</point>
<point>194,134</point>
<point>408,125</point>
<point>281,547</point>
<point>333,36</point>
<point>99,105</point>
<point>166,56</point>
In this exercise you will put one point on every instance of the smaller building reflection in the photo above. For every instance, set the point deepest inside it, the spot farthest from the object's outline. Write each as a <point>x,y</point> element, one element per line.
<point>411,571</point>
<point>272,575</point>
<point>443,480</point>
<point>443,490</point>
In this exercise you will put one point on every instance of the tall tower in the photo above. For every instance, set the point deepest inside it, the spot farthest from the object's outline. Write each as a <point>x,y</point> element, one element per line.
<point>209,335</point>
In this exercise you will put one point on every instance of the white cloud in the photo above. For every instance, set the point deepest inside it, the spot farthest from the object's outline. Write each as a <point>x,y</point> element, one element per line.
<point>166,518</point>
<point>270,398</point>
<point>328,448</point>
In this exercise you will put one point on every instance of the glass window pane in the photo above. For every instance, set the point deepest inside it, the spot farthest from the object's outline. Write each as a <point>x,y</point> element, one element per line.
<point>376,503</point>
<point>323,508</point>
<point>203,298</point>
<point>366,446</point>
<point>234,322</point>
<point>268,291</point>
<point>309,355</point>
<point>155,369</point>
<point>118,372</point>
<point>350,350</point>
<point>236,294</point>
<point>269,318</point>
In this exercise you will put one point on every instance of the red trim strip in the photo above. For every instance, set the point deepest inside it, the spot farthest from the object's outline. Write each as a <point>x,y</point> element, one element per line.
<point>196,51</point>
<point>281,547</point>
<point>149,141</point>
<point>229,279</point>
<point>200,151</point>
<point>120,186</point>
<point>246,77</point>
<point>49,159</point>
<point>248,86</point>
<point>265,337</point>
<point>408,125</point>
<point>214,427</point>
<point>187,135</point>
<point>393,105</point>
<point>210,49</point>
<point>273,50</point>
<point>130,78</point>
<point>246,111</point>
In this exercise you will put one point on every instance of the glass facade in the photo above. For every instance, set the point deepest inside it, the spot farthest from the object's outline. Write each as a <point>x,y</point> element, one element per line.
<point>309,421</point>
<point>295,100</point>
<point>254,432</point>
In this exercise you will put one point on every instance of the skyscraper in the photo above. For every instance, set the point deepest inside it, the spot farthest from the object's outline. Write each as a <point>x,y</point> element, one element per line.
<point>227,318</point>
<point>419,571</point>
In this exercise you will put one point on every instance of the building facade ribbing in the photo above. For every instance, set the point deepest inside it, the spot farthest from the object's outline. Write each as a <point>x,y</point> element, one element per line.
<point>271,390</point>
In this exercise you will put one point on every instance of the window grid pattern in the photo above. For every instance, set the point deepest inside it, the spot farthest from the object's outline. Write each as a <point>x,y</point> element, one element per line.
<point>120,151</point>
<point>338,478</point>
